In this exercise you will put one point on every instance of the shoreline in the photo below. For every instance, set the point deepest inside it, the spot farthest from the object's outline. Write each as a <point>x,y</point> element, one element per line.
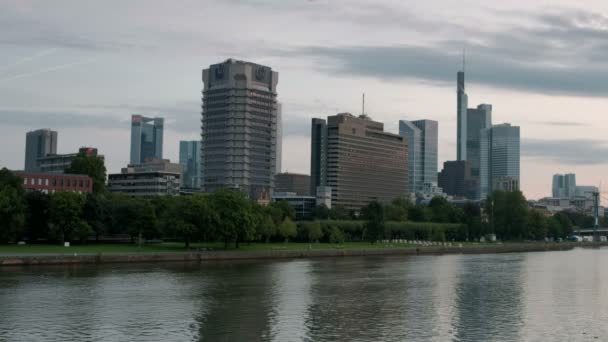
<point>210,256</point>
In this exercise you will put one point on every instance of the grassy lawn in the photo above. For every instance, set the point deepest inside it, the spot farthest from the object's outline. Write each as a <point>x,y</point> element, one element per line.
<point>173,247</point>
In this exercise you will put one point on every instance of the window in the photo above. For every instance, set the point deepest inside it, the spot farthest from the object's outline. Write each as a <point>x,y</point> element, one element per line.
<point>80,183</point>
<point>39,181</point>
<point>46,182</point>
<point>61,182</point>
<point>24,181</point>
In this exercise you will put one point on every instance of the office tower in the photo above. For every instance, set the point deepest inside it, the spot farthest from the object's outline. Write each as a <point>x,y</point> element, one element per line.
<point>38,144</point>
<point>279,160</point>
<point>239,127</point>
<point>190,160</point>
<point>564,186</point>
<point>499,152</point>
<point>292,182</point>
<point>146,138</point>
<point>477,119</point>
<point>422,137</point>
<point>318,155</point>
<point>455,178</point>
<point>358,160</point>
<point>461,112</point>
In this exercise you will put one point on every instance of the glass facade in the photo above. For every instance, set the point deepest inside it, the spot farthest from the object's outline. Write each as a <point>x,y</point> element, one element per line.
<point>190,159</point>
<point>146,138</point>
<point>500,155</point>
<point>422,136</point>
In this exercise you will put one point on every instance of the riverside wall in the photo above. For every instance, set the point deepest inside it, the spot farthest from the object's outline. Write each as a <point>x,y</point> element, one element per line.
<point>207,256</point>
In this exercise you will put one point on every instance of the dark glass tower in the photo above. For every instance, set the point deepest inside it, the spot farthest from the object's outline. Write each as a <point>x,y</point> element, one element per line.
<point>461,112</point>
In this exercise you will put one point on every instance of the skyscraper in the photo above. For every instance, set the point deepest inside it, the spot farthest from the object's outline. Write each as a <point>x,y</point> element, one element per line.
<point>564,186</point>
<point>422,137</point>
<point>358,160</point>
<point>190,159</point>
<point>477,119</point>
<point>146,138</point>
<point>462,103</point>
<point>39,144</point>
<point>500,156</point>
<point>239,127</point>
<point>279,161</point>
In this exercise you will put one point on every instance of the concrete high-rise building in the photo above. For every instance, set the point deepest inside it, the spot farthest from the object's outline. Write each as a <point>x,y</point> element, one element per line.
<point>462,103</point>
<point>154,177</point>
<point>279,148</point>
<point>39,144</point>
<point>422,137</point>
<point>564,186</point>
<point>358,160</point>
<point>477,119</point>
<point>190,160</point>
<point>146,138</point>
<point>239,127</point>
<point>500,156</point>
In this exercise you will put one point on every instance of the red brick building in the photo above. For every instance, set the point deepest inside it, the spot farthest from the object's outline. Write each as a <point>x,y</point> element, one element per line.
<point>54,182</point>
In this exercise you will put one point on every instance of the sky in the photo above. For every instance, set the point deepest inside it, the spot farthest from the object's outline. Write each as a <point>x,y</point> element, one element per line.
<point>83,67</point>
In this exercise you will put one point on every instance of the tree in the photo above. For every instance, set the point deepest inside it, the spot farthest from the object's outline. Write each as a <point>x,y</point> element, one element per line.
<point>537,225</point>
<point>565,223</point>
<point>92,166</point>
<point>373,213</point>
<point>96,212</point>
<point>12,214</point>
<point>234,216</point>
<point>554,228</point>
<point>65,214</point>
<point>265,225</point>
<point>321,212</point>
<point>338,212</point>
<point>398,210</point>
<point>336,235</point>
<point>81,230</point>
<point>418,213</point>
<point>195,218</point>
<point>508,213</point>
<point>288,229</point>
<point>313,230</point>
<point>37,215</point>
<point>142,223</point>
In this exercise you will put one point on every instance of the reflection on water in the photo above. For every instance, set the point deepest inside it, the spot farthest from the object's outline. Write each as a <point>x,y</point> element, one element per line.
<point>509,297</point>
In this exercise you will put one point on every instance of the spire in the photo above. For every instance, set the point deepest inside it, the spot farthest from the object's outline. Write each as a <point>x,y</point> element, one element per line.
<point>363,105</point>
<point>463,58</point>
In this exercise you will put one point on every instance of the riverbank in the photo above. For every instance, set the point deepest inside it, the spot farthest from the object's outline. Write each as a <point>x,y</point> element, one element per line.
<point>217,255</point>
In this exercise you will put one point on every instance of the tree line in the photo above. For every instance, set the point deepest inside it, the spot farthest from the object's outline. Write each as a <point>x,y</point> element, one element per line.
<point>230,217</point>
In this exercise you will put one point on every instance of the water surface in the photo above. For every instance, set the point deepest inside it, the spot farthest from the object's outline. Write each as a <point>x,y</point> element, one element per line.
<point>542,296</point>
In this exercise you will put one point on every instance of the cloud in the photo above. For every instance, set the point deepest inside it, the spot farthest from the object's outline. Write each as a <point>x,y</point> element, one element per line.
<point>569,152</point>
<point>558,123</point>
<point>45,70</point>
<point>562,53</point>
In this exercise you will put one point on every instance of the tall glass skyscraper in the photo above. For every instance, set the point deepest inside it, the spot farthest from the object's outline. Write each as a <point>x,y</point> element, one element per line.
<point>462,103</point>
<point>39,144</point>
<point>422,136</point>
<point>477,119</point>
<point>146,138</point>
<point>499,155</point>
<point>190,159</point>
<point>239,127</point>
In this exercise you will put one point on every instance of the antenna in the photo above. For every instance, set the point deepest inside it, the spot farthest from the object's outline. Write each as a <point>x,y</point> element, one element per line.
<point>463,58</point>
<point>363,105</point>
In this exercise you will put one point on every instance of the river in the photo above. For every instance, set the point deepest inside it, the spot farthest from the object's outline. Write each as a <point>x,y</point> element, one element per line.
<point>540,296</point>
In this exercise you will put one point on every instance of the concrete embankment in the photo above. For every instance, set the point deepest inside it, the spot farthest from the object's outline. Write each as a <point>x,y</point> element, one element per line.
<point>203,256</point>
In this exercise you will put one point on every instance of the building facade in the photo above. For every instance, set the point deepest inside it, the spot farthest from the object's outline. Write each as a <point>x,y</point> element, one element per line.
<point>422,137</point>
<point>279,147</point>
<point>51,182</point>
<point>190,160</point>
<point>304,206</point>
<point>155,177</point>
<point>239,127</point>
<point>146,138</point>
<point>455,178</point>
<point>58,163</point>
<point>500,155</point>
<point>39,144</point>
<point>358,160</point>
<point>477,119</point>
<point>292,183</point>
<point>564,186</point>
<point>462,103</point>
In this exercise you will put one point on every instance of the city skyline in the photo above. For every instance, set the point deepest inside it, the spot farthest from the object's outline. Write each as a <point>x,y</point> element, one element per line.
<point>544,99</point>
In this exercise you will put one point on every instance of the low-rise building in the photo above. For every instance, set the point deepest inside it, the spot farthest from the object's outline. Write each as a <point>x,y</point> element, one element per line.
<point>155,177</point>
<point>51,182</point>
<point>57,163</point>
<point>303,205</point>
